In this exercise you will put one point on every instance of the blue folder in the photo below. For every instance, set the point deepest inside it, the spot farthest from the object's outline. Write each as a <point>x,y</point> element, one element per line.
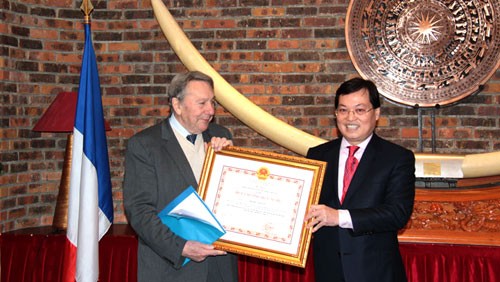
<point>190,218</point>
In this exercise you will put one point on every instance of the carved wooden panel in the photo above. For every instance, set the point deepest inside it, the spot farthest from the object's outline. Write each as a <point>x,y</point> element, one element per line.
<point>458,216</point>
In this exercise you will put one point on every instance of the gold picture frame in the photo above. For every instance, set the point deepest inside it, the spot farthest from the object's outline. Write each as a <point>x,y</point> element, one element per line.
<point>261,199</point>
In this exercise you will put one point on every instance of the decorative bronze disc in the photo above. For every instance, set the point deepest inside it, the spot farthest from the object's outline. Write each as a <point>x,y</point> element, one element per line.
<point>425,53</point>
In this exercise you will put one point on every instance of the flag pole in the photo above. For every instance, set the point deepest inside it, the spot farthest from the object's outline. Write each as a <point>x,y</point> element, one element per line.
<point>60,220</point>
<point>87,9</point>
<point>90,207</point>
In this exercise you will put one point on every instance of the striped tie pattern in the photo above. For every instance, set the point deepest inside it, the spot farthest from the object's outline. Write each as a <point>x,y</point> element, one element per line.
<point>350,167</point>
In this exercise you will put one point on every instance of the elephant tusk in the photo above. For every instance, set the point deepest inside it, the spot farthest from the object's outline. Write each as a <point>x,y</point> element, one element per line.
<point>247,112</point>
<point>298,141</point>
<point>479,165</point>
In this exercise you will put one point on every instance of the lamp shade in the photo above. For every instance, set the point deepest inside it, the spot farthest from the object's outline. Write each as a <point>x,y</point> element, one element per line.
<point>60,115</point>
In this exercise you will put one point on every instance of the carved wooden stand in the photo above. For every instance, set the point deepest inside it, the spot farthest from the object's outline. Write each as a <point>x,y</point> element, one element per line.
<point>468,214</point>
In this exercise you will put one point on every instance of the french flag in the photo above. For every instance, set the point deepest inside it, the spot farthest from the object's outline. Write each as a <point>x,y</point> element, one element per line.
<point>90,205</point>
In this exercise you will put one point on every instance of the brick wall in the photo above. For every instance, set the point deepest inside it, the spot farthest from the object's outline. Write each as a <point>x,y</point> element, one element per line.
<point>287,58</point>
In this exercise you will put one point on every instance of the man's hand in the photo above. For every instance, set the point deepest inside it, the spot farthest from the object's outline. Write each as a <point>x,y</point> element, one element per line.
<point>321,215</point>
<point>198,252</point>
<point>218,143</point>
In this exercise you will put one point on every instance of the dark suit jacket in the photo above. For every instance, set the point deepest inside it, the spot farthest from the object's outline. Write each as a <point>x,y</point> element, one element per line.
<point>380,201</point>
<point>156,171</point>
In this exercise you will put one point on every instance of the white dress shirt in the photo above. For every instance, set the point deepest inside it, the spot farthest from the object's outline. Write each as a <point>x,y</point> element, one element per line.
<point>345,220</point>
<point>195,153</point>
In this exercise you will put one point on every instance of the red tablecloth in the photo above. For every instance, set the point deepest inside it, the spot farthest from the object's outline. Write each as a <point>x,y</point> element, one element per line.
<point>36,255</point>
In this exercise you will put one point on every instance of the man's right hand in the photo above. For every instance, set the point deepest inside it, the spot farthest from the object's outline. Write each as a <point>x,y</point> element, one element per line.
<point>198,252</point>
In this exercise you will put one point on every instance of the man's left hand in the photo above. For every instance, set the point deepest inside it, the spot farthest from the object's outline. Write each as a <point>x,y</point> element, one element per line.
<point>321,215</point>
<point>218,143</point>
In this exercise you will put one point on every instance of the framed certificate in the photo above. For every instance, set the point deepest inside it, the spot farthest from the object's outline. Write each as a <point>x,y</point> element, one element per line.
<point>261,199</point>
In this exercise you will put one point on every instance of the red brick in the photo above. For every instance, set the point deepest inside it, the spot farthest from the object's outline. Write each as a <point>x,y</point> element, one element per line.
<point>289,59</point>
<point>266,12</point>
<point>218,23</point>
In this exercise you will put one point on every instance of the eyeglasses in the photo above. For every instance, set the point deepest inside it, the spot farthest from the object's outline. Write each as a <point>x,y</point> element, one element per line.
<point>357,112</point>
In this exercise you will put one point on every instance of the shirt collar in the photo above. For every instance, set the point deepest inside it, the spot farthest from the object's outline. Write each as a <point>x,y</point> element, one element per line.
<point>362,145</point>
<point>177,126</point>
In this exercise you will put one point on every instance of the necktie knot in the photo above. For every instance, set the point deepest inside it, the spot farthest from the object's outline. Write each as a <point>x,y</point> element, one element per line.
<point>191,138</point>
<point>352,150</point>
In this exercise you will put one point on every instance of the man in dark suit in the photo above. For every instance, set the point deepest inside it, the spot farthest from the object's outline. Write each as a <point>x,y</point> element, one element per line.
<point>357,219</point>
<point>160,163</point>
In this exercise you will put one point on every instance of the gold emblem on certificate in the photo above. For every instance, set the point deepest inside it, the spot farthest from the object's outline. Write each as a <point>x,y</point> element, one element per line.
<point>263,173</point>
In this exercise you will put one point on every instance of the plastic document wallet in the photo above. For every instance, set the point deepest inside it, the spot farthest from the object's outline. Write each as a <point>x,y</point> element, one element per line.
<point>190,218</point>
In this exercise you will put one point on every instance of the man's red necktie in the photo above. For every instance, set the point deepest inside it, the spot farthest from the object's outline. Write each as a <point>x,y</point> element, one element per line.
<point>350,167</point>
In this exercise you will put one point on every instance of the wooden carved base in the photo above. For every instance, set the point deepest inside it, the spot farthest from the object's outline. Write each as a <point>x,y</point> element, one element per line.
<point>468,214</point>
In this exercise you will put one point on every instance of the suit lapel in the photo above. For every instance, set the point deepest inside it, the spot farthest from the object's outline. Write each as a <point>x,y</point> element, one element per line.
<point>330,187</point>
<point>174,150</point>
